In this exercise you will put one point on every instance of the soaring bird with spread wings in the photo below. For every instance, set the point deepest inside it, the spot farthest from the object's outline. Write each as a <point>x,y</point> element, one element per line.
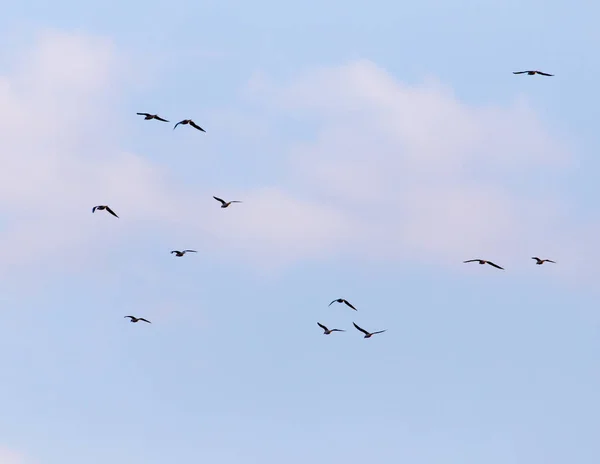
<point>532,73</point>
<point>483,261</point>
<point>368,334</point>
<point>346,302</point>
<point>181,253</point>
<point>104,207</point>
<point>191,123</point>
<point>326,331</point>
<point>542,261</point>
<point>225,204</point>
<point>148,116</point>
<point>137,319</point>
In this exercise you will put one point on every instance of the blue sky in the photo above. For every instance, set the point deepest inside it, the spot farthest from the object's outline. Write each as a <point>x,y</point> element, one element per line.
<point>374,148</point>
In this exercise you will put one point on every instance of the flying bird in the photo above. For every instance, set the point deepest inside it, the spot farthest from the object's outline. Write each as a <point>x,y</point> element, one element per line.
<point>483,261</point>
<point>225,204</point>
<point>152,116</point>
<point>368,334</point>
<point>326,331</point>
<point>191,123</point>
<point>181,253</point>
<point>101,207</point>
<point>137,319</point>
<point>346,302</point>
<point>531,73</point>
<point>542,261</point>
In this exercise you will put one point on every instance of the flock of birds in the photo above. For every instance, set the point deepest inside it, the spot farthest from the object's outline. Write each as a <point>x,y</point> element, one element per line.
<point>226,204</point>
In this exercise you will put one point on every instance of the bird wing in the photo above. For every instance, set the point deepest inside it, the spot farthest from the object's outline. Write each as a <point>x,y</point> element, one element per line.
<point>322,326</point>
<point>178,124</point>
<point>337,330</point>
<point>191,251</point>
<point>535,257</point>
<point>520,72</point>
<point>470,261</point>
<point>235,201</point>
<point>176,251</point>
<point>193,124</point>
<point>160,119</point>
<point>381,331</point>
<point>144,114</point>
<point>94,209</point>
<point>332,302</point>
<point>218,199</point>
<point>131,317</point>
<point>362,330</point>
<point>350,305</point>
<point>495,265</point>
<point>145,320</point>
<point>544,74</point>
<point>111,212</point>
<point>550,261</point>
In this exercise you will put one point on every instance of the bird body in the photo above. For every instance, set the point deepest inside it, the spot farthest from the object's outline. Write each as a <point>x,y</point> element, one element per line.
<point>137,319</point>
<point>326,331</point>
<point>483,261</point>
<point>148,116</point>
<point>368,334</point>
<point>191,123</point>
<point>225,204</point>
<point>104,207</point>
<point>181,253</point>
<point>539,261</point>
<point>532,73</point>
<point>346,302</point>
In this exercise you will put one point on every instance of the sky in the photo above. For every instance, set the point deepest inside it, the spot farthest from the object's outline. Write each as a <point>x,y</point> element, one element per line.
<point>374,147</point>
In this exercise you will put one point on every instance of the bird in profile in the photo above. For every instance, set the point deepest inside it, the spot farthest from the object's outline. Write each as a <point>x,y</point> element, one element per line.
<point>483,261</point>
<point>181,253</point>
<point>137,319</point>
<point>368,334</point>
<point>102,207</point>
<point>191,123</point>
<point>532,73</point>
<point>148,116</point>
<point>341,300</point>
<point>225,204</point>
<point>326,331</point>
<point>542,261</point>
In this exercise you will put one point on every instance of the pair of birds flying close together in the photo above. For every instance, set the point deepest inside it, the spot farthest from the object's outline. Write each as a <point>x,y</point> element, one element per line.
<point>485,261</point>
<point>327,331</point>
<point>149,116</point>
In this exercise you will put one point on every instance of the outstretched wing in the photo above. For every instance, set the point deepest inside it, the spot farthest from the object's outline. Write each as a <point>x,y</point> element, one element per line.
<point>144,114</point>
<point>348,304</point>
<point>94,209</point>
<point>190,251</point>
<point>544,74</point>
<point>332,302</point>
<point>175,251</point>
<point>520,72</point>
<point>550,261</point>
<point>362,330</point>
<point>535,257</point>
<point>111,212</point>
<point>337,330</point>
<point>379,332</point>
<point>131,317</point>
<point>160,119</point>
<point>145,320</point>
<point>180,122</point>
<point>470,261</point>
<point>322,326</point>
<point>218,199</point>
<point>235,201</point>
<point>495,265</point>
<point>193,124</point>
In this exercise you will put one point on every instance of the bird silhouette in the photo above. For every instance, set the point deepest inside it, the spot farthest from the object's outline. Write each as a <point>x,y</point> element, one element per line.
<point>181,253</point>
<point>136,319</point>
<point>225,204</point>
<point>148,116</point>
<point>326,331</point>
<point>542,261</point>
<point>102,207</point>
<point>532,73</point>
<point>191,123</point>
<point>368,334</point>
<point>341,300</point>
<point>483,261</point>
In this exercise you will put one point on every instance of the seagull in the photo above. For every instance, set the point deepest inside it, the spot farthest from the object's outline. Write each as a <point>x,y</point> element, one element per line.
<point>326,331</point>
<point>532,73</point>
<point>137,319</point>
<point>368,334</point>
<point>542,261</point>
<point>225,204</point>
<point>152,116</point>
<point>341,300</point>
<point>101,207</point>
<point>191,123</point>
<point>181,253</point>
<point>483,261</point>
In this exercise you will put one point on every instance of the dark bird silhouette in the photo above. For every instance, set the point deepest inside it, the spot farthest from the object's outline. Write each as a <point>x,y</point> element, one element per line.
<point>152,116</point>
<point>101,207</point>
<point>326,331</point>
<point>483,261</point>
<point>368,334</point>
<point>542,261</point>
<point>341,300</point>
<point>225,204</point>
<point>137,319</point>
<point>532,73</point>
<point>181,253</point>
<point>191,123</point>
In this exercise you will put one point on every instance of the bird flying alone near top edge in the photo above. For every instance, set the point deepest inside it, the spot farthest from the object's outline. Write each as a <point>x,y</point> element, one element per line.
<point>368,334</point>
<point>137,319</point>
<point>225,204</point>
<point>346,302</point>
<point>181,253</point>
<point>532,73</point>
<point>483,261</point>
<point>102,207</point>
<point>149,116</point>
<point>326,331</point>
<point>542,261</point>
<point>191,123</point>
